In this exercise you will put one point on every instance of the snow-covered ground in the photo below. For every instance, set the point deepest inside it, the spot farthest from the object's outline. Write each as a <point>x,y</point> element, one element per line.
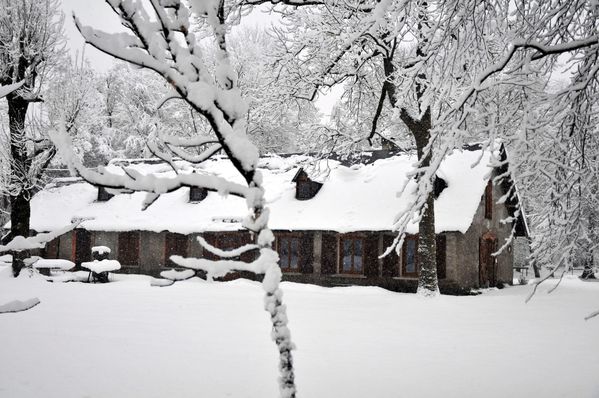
<point>195,339</point>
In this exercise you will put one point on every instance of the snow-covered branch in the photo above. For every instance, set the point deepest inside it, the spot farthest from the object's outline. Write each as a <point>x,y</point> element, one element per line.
<point>9,88</point>
<point>20,243</point>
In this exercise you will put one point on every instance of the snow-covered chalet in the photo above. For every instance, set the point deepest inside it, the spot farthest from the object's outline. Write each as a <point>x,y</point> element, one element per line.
<point>332,219</point>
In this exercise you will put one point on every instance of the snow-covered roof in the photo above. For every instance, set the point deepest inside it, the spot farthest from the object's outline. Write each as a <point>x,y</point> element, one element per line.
<point>358,197</point>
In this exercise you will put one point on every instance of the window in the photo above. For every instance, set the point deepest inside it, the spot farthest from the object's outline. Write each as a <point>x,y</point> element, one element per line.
<point>409,265</point>
<point>128,253</point>
<point>175,244</point>
<point>352,255</point>
<point>288,247</point>
<point>438,186</point>
<point>489,200</point>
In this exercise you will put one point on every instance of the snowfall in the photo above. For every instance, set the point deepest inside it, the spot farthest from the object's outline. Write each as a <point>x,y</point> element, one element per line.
<point>200,339</point>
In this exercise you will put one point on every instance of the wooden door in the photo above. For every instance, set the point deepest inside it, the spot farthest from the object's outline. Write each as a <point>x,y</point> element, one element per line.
<point>83,246</point>
<point>487,276</point>
<point>128,249</point>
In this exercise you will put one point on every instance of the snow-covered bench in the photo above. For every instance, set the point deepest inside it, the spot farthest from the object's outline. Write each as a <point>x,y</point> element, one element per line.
<point>46,266</point>
<point>99,269</point>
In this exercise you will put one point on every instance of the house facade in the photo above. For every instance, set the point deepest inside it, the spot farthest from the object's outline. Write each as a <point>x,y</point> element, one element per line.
<point>331,223</point>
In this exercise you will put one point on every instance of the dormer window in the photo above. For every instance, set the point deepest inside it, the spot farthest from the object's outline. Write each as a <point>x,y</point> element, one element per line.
<point>197,194</point>
<point>103,194</point>
<point>438,186</point>
<point>305,188</point>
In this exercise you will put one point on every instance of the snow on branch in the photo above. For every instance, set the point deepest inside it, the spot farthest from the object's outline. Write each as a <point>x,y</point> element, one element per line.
<point>499,66</point>
<point>20,243</point>
<point>9,88</point>
<point>221,268</point>
<point>227,253</point>
<point>159,38</point>
<point>152,43</point>
<point>135,181</point>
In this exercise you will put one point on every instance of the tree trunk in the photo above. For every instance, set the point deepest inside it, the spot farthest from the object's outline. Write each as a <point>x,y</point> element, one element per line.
<point>20,212</point>
<point>427,243</point>
<point>588,273</point>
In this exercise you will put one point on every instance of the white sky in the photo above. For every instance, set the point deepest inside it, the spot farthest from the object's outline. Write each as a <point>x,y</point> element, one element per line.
<point>98,14</point>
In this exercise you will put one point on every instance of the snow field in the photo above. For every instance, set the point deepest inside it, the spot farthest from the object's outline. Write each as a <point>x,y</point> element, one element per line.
<point>128,339</point>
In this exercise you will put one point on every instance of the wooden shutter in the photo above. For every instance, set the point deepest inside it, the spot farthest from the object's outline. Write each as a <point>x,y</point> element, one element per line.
<point>244,238</point>
<point>52,248</point>
<point>441,256</point>
<point>175,244</point>
<point>306,254</point>
<point>371,261</point>
<point>129,248</point>
<point>391,261</point>
<point>209,237</point>
<point>329,254</point>
<point>83,246</point>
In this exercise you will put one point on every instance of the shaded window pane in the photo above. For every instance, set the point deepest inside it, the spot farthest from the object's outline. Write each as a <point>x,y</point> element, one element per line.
<point>294,260</point>
<point>411,255</point>
<point>347,255</point>
<point>358,255</point>
<point>284,253</point>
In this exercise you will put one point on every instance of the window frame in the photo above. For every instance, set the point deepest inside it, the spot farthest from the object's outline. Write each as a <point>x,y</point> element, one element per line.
<point>340,250</point>
<point>404,257</point>
<point>289,236</point>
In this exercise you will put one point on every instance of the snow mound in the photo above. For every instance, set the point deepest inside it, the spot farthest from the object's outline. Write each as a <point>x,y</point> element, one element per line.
<point>18,306</point>
<point>175,275</point>
<point>59,264</point>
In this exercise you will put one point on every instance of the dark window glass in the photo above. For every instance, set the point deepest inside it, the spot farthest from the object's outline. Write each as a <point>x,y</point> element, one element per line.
<point>411,256</point>
<point>409,266</point>
<point>358,255</point>
<point>103,194</point>
<point>197,194</point>
<point>294,263</point>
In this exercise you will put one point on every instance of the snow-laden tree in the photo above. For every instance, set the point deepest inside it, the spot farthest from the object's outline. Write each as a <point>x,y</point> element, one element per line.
<point>71,98</point>
<point>159,37</point>
<point>31,39</point>
<point>276,123</point>
<point>129,112</point>
<point>411,59</point>
<point>447,70</point>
